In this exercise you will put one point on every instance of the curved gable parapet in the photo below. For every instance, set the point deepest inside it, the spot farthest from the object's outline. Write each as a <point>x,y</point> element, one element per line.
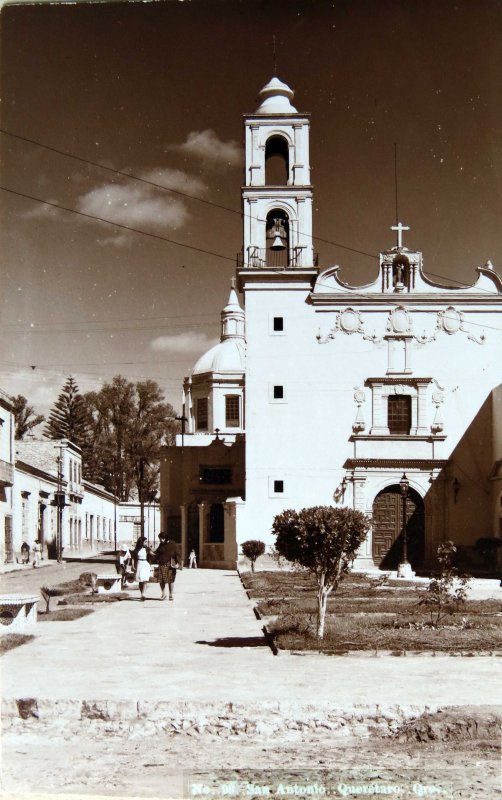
<point>488,282</point>
<point>488,276</point>
<point>328,281</point>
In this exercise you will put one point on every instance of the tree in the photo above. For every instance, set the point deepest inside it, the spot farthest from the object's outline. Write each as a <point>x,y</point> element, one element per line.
<point>69,416</point>
<point>324,540</point>
<point>253,549</point>
<point>24,416</point>
<point>130,422</point>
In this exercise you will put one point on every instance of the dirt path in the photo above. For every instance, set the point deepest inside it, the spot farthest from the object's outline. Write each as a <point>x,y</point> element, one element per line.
<point>74,759</point>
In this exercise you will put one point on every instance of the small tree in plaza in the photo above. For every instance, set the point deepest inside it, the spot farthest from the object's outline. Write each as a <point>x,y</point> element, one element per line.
<point>324,540</point>
<point>446,592</point>
<point>253,549</point>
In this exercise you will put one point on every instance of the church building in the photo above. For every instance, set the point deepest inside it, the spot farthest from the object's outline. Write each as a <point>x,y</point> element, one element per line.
<point>386,398</point>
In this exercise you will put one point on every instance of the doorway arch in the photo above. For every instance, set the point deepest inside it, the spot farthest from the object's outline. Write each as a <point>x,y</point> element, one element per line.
<point>388,528</point>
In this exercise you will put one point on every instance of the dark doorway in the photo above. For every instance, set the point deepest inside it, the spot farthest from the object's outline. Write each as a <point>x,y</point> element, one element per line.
<point>8,543</point>
<point>193,529</point>
<point>388,528</point>
<point>217,523</point>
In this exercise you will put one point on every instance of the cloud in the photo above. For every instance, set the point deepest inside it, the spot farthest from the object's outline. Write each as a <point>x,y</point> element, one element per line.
<point>175,179</point>
<point>206,146</point>
<point>42,211</point>
<point>135,206</point>
<point>189,342</point>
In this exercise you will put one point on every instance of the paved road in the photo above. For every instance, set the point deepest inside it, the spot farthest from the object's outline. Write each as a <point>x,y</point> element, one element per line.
<point>208,646</point>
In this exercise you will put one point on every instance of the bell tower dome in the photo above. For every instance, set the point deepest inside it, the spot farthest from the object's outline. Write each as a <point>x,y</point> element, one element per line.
<point>277,195</point>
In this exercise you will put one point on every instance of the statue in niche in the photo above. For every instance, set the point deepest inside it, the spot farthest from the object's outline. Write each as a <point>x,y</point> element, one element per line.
<point>400,272</point>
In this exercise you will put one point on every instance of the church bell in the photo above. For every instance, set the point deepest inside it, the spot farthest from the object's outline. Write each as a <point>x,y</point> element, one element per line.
<point>278,234</point>
<point>278,243</point>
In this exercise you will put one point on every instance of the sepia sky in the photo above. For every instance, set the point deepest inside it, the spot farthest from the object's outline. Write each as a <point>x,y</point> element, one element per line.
<point>158,90</point>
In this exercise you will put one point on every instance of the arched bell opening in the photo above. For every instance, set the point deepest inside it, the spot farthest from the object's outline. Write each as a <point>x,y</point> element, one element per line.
<point>277,238</point>
<point>276,161</point>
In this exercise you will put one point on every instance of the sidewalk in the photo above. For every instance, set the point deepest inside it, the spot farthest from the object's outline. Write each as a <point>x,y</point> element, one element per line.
<point>207,646</point>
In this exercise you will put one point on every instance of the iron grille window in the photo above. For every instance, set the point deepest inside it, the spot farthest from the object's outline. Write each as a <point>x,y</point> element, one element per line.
<point>202,414</point>
<point>278,487</point>
<point>278,392</point>
<point>278,323</point>
<point>399,414</point>
<point>232,416</point>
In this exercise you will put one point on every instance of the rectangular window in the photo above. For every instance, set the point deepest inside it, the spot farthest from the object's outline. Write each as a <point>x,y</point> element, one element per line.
<point>215,475</point>
<point>278,323</point>
<point>278,392</point>
<point>202,414</point>
<point>232,407</point>
<point>399,414</point>
<point>279,487</point>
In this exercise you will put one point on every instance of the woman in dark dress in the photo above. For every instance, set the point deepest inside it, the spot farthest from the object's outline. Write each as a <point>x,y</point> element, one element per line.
<point>166,556</point>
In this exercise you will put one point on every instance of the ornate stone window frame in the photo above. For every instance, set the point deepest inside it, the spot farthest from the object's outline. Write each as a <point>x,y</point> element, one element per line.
<point>382,388</point>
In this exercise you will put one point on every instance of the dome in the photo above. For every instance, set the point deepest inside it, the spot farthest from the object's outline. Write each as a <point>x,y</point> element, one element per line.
<point>276,98</point>
<point>227,356</point>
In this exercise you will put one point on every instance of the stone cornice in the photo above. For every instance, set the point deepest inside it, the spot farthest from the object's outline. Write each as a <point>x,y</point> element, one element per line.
<point>395,463</point>
<point>397,380</point>
<point>297,275</point>
<point>358,298</point>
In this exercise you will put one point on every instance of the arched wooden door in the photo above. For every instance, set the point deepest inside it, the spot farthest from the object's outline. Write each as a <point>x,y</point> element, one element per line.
<point>388,528</point>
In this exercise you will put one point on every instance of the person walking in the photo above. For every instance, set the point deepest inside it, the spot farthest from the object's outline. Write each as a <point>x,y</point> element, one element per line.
<point>166,556</point>
<point>192,560</point>
<point>37,553</point>
<point>143,571</point>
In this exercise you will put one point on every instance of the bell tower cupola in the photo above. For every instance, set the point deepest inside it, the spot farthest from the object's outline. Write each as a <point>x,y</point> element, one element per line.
<point>277,194</point>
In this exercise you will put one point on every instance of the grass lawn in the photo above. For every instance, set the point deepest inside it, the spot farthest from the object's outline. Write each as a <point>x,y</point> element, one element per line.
<point>363,615</point>
<point>64,614</point>
<point>8,641</point>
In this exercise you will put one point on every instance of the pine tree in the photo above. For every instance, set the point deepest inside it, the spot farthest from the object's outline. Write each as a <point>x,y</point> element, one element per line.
<point>69,416</point>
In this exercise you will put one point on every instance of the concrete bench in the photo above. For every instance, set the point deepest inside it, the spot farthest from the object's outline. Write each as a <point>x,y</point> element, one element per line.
<point>107,584</point>
<point>17,612</point>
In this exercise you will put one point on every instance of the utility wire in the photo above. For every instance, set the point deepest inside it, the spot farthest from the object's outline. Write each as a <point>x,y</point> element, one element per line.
<point>174,191</point>
<point>131,176</point>
<point>117,224</point>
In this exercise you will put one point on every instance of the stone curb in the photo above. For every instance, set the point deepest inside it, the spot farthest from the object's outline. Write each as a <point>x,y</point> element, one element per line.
<point>145,717</point>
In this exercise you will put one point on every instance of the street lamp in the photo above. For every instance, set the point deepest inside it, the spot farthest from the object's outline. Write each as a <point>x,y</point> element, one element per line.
<point>404,568</point>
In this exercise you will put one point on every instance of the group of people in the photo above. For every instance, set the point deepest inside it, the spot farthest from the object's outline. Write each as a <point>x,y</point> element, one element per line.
<point>142,557</point>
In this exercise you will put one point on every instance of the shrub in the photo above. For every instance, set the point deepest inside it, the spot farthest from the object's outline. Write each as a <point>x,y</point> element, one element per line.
<point>448,591</point>
<point>253,549</point>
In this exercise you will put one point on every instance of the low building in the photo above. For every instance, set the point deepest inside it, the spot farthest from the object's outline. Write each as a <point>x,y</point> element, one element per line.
<point>7,457</point>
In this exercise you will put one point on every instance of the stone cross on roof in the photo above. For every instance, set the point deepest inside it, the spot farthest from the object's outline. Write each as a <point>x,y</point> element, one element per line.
<point>400,228</point>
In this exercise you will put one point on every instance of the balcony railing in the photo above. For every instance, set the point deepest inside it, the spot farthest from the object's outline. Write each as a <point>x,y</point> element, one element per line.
<point>262,258</point>
<point>6,473</point>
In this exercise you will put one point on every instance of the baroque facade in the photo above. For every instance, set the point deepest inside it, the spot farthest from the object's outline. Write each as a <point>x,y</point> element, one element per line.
<point>337,391</point>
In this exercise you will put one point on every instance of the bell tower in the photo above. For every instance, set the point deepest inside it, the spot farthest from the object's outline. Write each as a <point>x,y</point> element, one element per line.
<point>277,195</point>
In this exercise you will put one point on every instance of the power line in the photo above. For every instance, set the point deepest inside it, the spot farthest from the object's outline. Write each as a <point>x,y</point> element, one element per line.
<point>117,224</point>
<point>174,191</point>
<point>120,172</point>
<point>131,176</point>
